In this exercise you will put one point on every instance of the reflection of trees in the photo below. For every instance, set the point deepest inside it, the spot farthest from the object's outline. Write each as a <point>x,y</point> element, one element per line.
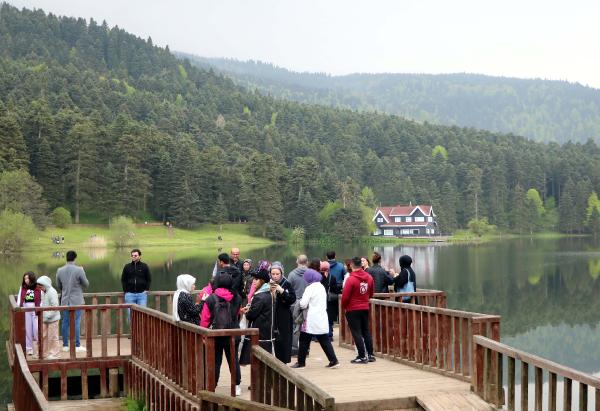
<point>529,284</point>
<point>576,346</point>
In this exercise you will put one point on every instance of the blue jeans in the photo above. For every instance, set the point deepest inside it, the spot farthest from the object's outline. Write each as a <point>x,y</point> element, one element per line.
<point>136,298</point>
<point>65,327</point>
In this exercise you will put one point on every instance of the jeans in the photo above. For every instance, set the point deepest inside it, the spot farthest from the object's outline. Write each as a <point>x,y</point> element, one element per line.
<point>358,322</point>
<point>64,329</point>
<point>222,346</point>
<point>136,298</point>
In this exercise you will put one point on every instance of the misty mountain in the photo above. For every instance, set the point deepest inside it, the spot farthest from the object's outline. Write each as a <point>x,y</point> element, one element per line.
<point>542,110</point>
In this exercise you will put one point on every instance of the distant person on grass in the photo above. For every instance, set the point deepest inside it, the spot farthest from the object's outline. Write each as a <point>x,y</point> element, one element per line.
<point>70,281</point>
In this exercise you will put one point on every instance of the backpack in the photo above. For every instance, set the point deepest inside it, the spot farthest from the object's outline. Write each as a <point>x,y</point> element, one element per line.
<point>222,318</point>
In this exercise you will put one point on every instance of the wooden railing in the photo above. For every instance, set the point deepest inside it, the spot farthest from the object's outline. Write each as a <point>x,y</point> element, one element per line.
<point>489,374</point>
<point>26,393</point>
<point>274,383</point>
<point>161,395</point>
<point>182,352</point>
<point>431,298</point>
<point>435,339</point>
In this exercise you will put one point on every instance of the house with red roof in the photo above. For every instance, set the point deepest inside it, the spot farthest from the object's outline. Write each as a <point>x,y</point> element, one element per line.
<point>405,221</point>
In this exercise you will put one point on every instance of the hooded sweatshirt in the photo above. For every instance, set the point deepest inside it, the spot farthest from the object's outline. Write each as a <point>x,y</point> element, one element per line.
<point>49,299</point>
<point>357,291</point>
<point>209,304</point>
<point>296,279</point>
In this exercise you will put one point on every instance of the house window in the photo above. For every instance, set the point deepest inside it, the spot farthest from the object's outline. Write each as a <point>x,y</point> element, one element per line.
<point>377,232</point>
<point>430,219</point>
<point>415,232</point>
<point>408,219</point>
<point>379,219</point>
<point>405,231</point>
<point>388,232</point>
<point>419,219</point>
<point>398,219</point>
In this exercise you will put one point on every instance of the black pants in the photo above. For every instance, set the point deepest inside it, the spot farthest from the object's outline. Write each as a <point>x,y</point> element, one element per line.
<point>222,345</point>
<point>304,344</point>
<point>358,322</point>
<point>332,314</point>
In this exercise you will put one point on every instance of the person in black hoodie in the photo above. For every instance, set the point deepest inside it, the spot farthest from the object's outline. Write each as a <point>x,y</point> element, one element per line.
<point>261,312</point>
<point>135,280</point>
<point>284,298</point>
<point>381,278</point>
<point>226,267</point>
<point>406,280</point>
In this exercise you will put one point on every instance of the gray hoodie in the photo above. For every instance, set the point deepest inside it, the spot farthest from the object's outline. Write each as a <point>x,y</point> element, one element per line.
<point>49,299</point>
<point>296,278</point>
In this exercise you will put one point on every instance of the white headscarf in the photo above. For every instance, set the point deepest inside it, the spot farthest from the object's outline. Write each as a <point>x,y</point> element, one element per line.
<point>184,285</point>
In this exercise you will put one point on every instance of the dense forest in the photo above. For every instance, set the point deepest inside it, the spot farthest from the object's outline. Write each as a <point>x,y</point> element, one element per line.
<point>539,109</point>
<point>109,124</point>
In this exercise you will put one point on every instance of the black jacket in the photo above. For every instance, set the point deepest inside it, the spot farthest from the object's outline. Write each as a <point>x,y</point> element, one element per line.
<point>381,278</point>
<point>236,276</point>
<point>187,310</point>
<point>402,278</point>
<point>261,316</point>
<point>135,277</point>
<point>283,321</point>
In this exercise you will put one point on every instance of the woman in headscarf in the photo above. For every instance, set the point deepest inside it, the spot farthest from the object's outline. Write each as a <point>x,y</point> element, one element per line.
<point>260,314</point>
<point>184,308</point>
<point>406,280</point>
<point>316,325</point>
<point>284,298</point>
<point>246,277</point>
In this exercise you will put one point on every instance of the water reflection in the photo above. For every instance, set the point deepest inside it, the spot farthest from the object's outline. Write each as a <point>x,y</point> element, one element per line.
<point>545,290</point>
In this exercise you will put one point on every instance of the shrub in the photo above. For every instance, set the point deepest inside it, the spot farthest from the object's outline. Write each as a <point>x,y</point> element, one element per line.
<point>122,231</point>
<point>61,217</point>
<point>16,231</point>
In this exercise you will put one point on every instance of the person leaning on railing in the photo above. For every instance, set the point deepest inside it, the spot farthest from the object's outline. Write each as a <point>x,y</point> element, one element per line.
<point>184,308</point>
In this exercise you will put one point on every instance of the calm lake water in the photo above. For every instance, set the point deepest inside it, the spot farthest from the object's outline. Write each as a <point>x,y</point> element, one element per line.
<point>547,291</point>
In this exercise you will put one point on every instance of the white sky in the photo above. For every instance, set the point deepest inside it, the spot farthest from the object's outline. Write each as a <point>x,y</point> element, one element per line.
<point>528,38</point>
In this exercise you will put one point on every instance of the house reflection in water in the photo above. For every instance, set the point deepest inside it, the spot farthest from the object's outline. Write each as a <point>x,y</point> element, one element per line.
<point>424,260</point>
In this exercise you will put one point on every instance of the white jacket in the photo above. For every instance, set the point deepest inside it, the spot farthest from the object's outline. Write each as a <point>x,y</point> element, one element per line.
<point>315,297</point>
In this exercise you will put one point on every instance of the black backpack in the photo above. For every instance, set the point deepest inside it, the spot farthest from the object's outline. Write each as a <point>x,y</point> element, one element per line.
<point>221,315</point>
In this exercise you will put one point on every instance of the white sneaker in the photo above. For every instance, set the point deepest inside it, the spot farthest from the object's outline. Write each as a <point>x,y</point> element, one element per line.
<point>29,352</point>
<point>52,357</point>
<point>65,349</point>
<point>238,390</point>
<point>80,349</point>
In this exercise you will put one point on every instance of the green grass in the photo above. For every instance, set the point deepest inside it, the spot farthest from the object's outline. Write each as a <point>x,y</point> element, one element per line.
<point>150,236</point>
<point>465,236</point>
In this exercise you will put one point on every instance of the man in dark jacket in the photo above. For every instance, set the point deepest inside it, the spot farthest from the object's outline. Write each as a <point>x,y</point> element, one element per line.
<point>225,267</point>
<point>381,278</point>
<point>355,301</point>
<point>136,280</point>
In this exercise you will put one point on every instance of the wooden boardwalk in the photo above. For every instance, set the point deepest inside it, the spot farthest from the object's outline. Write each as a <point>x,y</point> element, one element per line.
<point>359,386</point>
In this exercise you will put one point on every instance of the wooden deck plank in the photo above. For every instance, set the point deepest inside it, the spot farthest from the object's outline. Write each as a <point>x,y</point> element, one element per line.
<point>453,401</point>
<point>108,404</point>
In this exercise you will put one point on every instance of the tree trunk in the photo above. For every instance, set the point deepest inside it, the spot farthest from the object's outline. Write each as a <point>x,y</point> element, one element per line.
<point>77,184</point>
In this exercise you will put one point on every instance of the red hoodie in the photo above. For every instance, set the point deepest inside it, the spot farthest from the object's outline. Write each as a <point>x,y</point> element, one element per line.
<point>357,291</point>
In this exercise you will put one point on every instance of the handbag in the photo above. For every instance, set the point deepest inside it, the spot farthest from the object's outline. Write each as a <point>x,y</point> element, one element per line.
<point>245,351</point>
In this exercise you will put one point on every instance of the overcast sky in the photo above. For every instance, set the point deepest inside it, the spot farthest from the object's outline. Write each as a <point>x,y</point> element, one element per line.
<point>527,38</point>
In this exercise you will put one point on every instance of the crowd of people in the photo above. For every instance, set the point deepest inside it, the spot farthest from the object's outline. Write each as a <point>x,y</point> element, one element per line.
<point>289,312</point>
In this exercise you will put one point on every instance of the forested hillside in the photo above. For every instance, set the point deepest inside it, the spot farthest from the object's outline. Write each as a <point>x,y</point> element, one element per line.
<point>109,124</point>
<point>539,109</point>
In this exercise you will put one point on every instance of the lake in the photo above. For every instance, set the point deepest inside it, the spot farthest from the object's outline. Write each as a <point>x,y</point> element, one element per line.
<point>545,290</point>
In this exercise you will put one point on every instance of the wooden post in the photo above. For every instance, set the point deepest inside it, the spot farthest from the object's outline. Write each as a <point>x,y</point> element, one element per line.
<point>583,397</point>
<point>511,383</point>
<point>113,382</point>
<point>538,388</point>
<point>567,393</point>
<point>552,391</point>
<point>524,386</point>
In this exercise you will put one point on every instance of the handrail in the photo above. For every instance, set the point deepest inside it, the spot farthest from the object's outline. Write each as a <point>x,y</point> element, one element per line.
<point>433,338</point>
<point>432,298</point>
<point>488,377</point>
<point>160,393</point>
<point>26,394</point>
<point>278,385</point>
<point>182,352</point>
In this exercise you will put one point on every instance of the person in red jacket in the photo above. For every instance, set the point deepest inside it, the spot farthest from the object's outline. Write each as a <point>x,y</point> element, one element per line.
<point>355,301</point>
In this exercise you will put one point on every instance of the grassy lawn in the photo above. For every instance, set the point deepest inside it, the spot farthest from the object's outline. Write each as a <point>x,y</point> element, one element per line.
<point>149,236</point>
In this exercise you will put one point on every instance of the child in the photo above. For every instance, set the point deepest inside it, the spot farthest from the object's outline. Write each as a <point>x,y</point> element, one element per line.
<point>30,295</point>
<point>50,299</point>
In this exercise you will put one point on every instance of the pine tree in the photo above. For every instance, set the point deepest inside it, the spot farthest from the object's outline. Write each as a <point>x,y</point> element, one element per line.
<point>566,208</point>
<point>13,155</point>
<point>219,212</point>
